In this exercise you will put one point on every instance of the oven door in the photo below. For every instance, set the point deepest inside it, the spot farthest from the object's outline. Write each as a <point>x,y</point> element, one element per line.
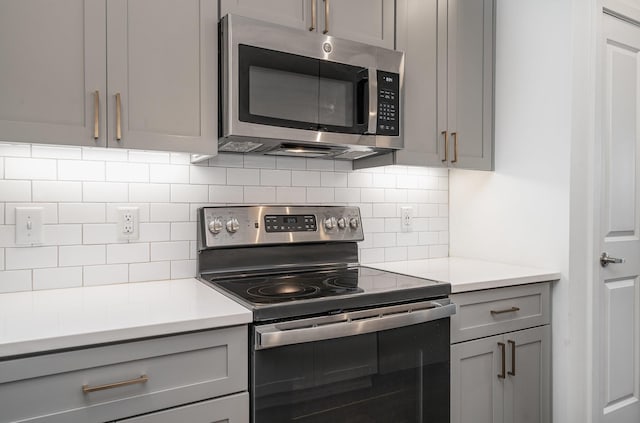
<point>379,366</point>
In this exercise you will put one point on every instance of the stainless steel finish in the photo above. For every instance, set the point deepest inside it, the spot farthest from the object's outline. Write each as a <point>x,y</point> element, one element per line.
<point>605,260</point>
<point>506,310</point>
<point>215,226</point>
<point>351,323</point>
<point>373,102</point>
<point>250,230</point>
<point>314,15</point>
<point>512,372</point>
<point>88,389</point>
<point>503,365</point>
<point>326,17</point>
<point>342,223</point>
<point>237,30</point>
<point>330,223</point>
<point>233,225</point>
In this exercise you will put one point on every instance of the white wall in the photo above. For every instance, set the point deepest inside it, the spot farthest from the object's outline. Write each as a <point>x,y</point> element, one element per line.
<point>80,189</point>
<point>520,213</point>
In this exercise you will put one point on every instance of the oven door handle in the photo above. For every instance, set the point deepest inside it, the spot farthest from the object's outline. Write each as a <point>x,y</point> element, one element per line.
<point>350,324</point>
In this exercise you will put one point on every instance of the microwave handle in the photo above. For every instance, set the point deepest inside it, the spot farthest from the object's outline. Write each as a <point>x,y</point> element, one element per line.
<point>373,101</point>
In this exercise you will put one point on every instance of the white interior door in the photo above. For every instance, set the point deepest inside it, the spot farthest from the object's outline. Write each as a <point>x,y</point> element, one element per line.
<point>618,294</point>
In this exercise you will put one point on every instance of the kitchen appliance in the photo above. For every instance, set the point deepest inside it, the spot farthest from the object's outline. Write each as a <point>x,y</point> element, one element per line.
<point>331,341</point>
<point>295,93</point>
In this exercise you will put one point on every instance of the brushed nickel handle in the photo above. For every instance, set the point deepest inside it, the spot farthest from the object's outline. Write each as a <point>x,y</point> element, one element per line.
<point>512,372</point>
<point>503,367</point>
<point>506,310</point>
<point>118,117</point>
<point>446,146</point>
<point>326,17</point>
<point>605,260</point>
<point>96,114</point>
<point>87,389</point>
<point>455,147</point>
<point>314,15</point>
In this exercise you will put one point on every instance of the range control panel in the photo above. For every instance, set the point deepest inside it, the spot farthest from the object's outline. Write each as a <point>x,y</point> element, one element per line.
<point>388,103</point>
<point>220,227</point>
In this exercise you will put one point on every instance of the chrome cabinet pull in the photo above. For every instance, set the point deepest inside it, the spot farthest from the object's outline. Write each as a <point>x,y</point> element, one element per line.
<point>503,367</point>
<point>87,389</point>
<point>605,260</point>
<point>512,372</point>
<point>96,115</point>
<point>506,310</point>
<point>326,17</point>
<point>446,146</point>
<point>118,117</point>
<point>314,15</point>
<point>455,147</point>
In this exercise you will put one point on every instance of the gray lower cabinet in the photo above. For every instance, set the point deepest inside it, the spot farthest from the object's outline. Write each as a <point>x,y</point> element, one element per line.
<point>118,73</point>
<point>114,382</point>
<point>498,374</point>
<point>366,21</point>
<point>448,97</point>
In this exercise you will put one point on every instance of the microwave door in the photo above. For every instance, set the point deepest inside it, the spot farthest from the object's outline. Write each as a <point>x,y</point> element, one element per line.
<point>278,89</point>
<point>343,101</point>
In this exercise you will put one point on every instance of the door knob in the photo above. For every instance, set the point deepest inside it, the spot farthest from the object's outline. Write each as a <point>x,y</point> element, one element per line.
<point>605,260</point>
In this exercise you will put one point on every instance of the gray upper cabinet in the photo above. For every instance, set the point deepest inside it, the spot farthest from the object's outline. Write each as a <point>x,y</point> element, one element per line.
<point>53,67</point>
<point>367,21</point>
<point>448,84</point>
<point>62,64</point>
<point>162,65</point>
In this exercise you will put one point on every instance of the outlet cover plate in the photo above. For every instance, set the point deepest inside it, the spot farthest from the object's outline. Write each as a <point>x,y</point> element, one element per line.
<point>128,223</point>
<point>406,219</point>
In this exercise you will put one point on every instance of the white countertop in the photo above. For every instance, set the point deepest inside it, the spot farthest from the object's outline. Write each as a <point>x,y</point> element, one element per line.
<point>37,321</point>
<point>468,274</point>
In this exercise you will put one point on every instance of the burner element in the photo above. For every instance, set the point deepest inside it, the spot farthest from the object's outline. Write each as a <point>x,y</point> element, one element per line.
<point>283,290</point>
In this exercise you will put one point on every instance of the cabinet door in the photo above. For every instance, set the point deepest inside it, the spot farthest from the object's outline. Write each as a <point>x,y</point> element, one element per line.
<point>293,13</point>
<point>476,391</point>
<point>52,61</point>
<point>470,85</point>
<point>527,392</point>
<point>419,26</point>
<point>231,409</point>
<point>367,21</point>
<point>162,63</point>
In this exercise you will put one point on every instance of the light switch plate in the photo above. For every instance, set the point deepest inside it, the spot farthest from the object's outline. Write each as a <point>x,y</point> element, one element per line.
<point>29,225</point>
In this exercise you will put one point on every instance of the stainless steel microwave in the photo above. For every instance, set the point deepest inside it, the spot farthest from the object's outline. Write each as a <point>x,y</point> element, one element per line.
<point>291,92</point>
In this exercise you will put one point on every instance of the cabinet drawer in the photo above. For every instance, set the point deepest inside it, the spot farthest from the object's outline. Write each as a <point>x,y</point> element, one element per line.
<point>500,310</point>
<point>180,369</point>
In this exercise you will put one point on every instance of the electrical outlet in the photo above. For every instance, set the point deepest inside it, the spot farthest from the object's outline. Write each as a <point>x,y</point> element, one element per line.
<point>406,219</point>
<point>128,219</point>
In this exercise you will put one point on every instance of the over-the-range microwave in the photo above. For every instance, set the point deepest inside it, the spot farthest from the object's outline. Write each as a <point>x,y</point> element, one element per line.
<point>290,92</point>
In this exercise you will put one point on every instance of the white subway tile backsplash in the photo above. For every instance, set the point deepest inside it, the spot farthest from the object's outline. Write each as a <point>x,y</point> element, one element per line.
<point>127,253</point>
<point>79,170</point>
<point>27,168</point>
<point>105,274</point>
<point>81,245</point>
<point>81,213</point>
<point>55,191</point>
<point>128,172</point>
<point>105,191</point>
<point>15,280</point>
<point>82,255</point>
<point>55,278</point>
<point>158,270</point>
<point>185,193</point>
<point>30,257</point>
<point>15,190</point>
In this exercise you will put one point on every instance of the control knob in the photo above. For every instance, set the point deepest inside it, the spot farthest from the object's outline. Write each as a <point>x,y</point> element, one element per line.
<point>353,222</point>
<point>233,225</point>
<point>342,223</point>
<point>215,226</point>
<point>330,223</point>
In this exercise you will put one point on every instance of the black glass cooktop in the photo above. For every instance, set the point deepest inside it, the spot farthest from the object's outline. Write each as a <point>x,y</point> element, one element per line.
<point>297,294</point>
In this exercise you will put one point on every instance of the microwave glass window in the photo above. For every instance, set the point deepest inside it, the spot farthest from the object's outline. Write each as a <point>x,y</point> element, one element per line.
<point>285,95</point>
<point>336,103</point>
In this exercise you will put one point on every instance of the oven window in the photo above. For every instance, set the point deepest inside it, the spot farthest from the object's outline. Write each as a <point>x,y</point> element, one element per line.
<point>292,91</point>
<point>399,375</point>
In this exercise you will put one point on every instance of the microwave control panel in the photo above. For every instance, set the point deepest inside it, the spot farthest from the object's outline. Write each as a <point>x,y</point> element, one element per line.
<point>388,103</point>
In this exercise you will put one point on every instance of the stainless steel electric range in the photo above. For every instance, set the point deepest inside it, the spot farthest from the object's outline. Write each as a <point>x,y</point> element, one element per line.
<point>331,340</point>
